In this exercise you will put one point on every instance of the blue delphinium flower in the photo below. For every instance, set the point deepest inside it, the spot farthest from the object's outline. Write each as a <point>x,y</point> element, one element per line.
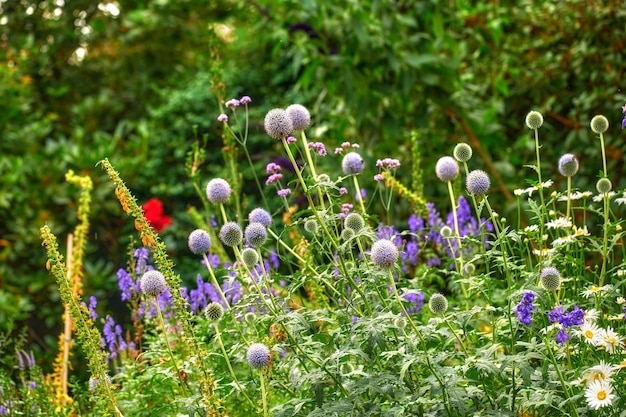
<point>416,301</point>
<point>525,307</point>
<point>574,317</point>
<point>562,336</point>
<point>624,111</point>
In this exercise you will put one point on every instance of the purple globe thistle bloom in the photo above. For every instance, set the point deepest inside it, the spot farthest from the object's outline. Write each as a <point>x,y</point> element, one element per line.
<point>218,191</point>
<point>300,116</point>
<point>525,307</point>
<point>258,355</point>
<point>568,165</point>
<point>231,234</point>
<point>153,283</point>
<point>259,215</point>
<point>447,169</point>
<point>352,164</point>
<point>256,234</point>
<point>278,124</point>
<point>384,253</point>
<point>199,241</point>
<point>477,182</point>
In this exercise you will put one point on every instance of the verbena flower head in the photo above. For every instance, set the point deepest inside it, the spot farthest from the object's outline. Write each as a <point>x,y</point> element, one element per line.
<point>199,241</point>
<point>447,169</point>
<point>256,234</point>
<point>259,215</point>
<point>218,191</point>
<point>214,311</point>
<point>599,124</point>
<point>231,234</point>
<point>354,221</point>
<point>352,163</point>
<point>384,253</point>
<point>258,355</point>
<point>550,278</point>
<point>222,118</point>
<point>462,152</point>
<point>438,304</point>
<point>300,116</point>
<point>534,120</point>
<point>152,283</point>
<point>604,185</point>
<point>278,124</point>
<point>568,165</point>
<point>477,182</point>
<point>250,257</point>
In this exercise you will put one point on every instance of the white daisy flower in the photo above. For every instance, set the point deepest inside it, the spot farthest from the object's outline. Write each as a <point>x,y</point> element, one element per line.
<point>545,252</point>
<point>599,394</point>
<point>560,241</point>
<point>573,196</point>
<point>590,332</point>
<point>586,194</point>
<point>596,290</point>
<point>602,372</point>
<point>560,223</point>
<point>592,315</point>
<point>600,197</point>
<point>611,341</point>
<point>621,272</point>
<point>621,300</point>
<point>580,231</point>
<point>531,228</point>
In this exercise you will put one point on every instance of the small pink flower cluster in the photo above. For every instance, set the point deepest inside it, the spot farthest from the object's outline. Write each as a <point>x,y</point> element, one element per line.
<point>346,145</point>
<point>319,147</point>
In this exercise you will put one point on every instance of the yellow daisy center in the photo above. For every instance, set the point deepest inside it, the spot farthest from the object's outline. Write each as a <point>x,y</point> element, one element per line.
<point>601,395</point>
<point>589,334</point>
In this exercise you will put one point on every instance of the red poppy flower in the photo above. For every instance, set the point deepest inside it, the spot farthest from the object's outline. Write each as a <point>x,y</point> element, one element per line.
<point>153,212</point>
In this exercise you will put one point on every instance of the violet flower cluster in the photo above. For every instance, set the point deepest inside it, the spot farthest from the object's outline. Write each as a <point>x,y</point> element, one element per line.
<point>566,319</point>
<point>525,308</point>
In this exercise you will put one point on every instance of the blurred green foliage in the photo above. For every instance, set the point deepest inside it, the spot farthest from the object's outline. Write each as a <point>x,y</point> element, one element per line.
<point>374,72</point>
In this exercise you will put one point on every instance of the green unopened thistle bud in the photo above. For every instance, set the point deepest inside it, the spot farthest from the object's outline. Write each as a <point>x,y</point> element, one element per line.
<point>250,257</point>
<point>599,124</point>
<point>462,152</point>
<point>469,269</point>
<point>399,323</point>
<point>249,317</point>
<point>354,221</point>
<point>534,120</point>
<point>214,311</point>
<point>446,232</point>
<point>550,278</point>
<point>438,304</point>
<point>311,226</point>
<point>604,185</point>
<point>347,234</point>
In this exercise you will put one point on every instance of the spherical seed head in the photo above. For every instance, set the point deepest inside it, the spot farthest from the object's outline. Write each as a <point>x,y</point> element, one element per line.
<point>384,253</point>
<point>550,278</point>
<point>311,226</point>
<point>214,311</point>
<point>352,163</point>
<point>354,221</point>
<point>278,124</point>
<point>599,124</point>
<point>469,269</point>
<point>300,116</point>
<point>152,283</point>
<point>447,168</point>
<point>534,120</point>
<point>477,182</point>
<point>250,257</point>
<point>438,304</point>
<point>446,232</point>
<point>218,191</point>
<point>347,234</point>
<point>231,234</point>
<point>462,152</point>
<point>258,355</point>
<point>259,215</point>
<point>604,185</point>
<point>199,241</point>
<point>568,165</point>
<point>256,234</point>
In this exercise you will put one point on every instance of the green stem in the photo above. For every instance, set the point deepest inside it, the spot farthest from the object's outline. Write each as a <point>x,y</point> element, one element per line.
<point>230,367</point>
<point>169,348</point>
<point>358,193</point>
<point>264,395</point>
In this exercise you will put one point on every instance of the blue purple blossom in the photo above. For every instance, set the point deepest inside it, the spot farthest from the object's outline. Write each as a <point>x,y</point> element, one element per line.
<point>525,307</point>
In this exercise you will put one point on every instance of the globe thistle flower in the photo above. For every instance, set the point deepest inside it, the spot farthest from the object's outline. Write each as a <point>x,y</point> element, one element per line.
<point>258,355</point>
<point>477,182</point>
<point>469,269</point>
<point>352,163</point>
<point>218,191</point>
<point>152,283</point>
<point>300,116</point>
<point>446,232</point>
<point>347,234</point>
<point>604,185</point>
<point>438,304</point>
<point>568,165</point>
<point>599,124</point>
<point>384,253</point>
<point>250,317</point>
<point>250,257</point>
<point>311,226</point>
<point>534,120</point>
<point>550,278</point>
<point>199,241</point>
<point>447,168</point>
<point>214,311</point>
<point>462,152</point>
<point>259,215</point>
<point>354,221</point>
<point>278,124</point>
<point>256,234</point>
<point>231,234</point>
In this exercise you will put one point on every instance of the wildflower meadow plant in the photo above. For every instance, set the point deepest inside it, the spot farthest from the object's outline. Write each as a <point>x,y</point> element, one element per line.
<point>310,306</point>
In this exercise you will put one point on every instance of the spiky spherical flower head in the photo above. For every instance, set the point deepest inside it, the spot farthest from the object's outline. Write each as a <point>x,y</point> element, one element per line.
<point>462,152</point>
<point>568,165</point>
<point>231,234</point>
<point>258,355</point>
<point>311,226</point>
<point>477,182</point>
<point>446,232</point>
<point>604,185</point>
<point>354,221</point>
<point>250,257</point>
<point>152,283</point>
<point>438,304</point>
<point>534,120</point>
<point>249,317</point>
<point>218,191</point>
<point>469,269</point>
<point>550,278</point>
<point>214,311</point>
<point>447,168</point>
<point>399,323</point>
<point>384,253</point>
<point>347,234</point>
<point>259,215</point>
<point>599,124</point>
<point>352,163</point>
<point>278,124</point>
<point>256,234</point>
<point>300,116</point>
<point>199,241</point>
